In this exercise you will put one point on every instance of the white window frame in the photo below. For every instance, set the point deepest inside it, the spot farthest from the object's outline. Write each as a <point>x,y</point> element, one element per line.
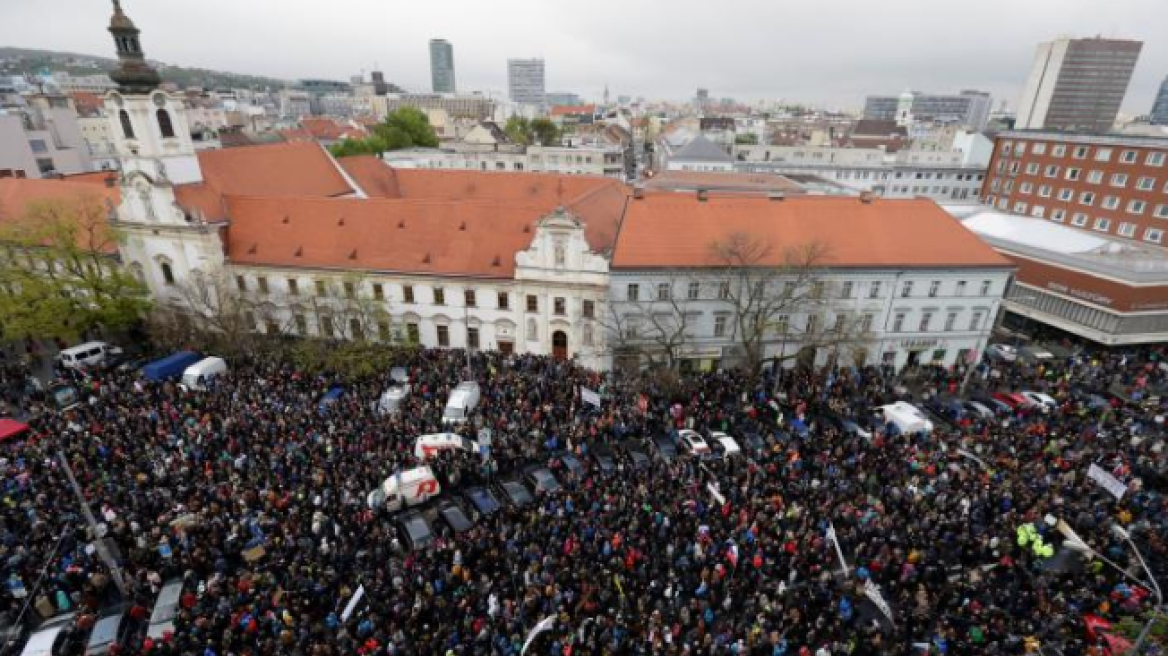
<point>1058,214</point>
<point>1126,230</point>
<point>1102,224</point>
<point>1154,235</point>
<point>1079,219</point>
<point>1146,183</point>
<point>1136,206</point>
<point>1103,154</point>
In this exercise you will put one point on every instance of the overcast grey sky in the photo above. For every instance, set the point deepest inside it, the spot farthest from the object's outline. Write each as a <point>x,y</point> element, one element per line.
<point>824,52</point>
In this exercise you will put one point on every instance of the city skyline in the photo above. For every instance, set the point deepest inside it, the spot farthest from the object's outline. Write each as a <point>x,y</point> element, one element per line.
<point>660,55</point>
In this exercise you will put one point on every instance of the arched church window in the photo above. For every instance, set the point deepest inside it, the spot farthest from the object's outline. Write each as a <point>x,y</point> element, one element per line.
<point>167,272</point>
<point>127,126</point>
<point>165,125</point>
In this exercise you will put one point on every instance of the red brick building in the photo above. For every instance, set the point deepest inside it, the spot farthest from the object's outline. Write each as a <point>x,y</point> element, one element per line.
<point>1109,184</point>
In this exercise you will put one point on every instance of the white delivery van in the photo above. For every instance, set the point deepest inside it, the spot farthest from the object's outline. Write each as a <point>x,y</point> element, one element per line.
<point>87,355</point>
<point>907,418</point>
<point>408,488</point>
<point>428,445</point>
<point>199,374</point>
<point>462,401</point>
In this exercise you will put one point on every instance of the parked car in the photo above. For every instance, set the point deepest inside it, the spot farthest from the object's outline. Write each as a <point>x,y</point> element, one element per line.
<point>604,460</point>
<point>1034,354</point>
<point>692,442</point>
<point>572,465</point>
<point>1015,401</point>
<point>724,445</point>
<point>330,398</point>
<point>165,610</point>
<point>415,530</point>
<point>978,409</point>
<point>111,632</point>
<point>1001,352</point>
<point>1038,398</point>
<point>639,458</point>
<point>392,398</point>
<point>540,478</point>
<point>49,638</point>
<point>514,492</point>
<point>453,516</point>
<point>90,355</point>
<point>463,400</point>
<point>949,410</point>
<point>481,500</point>
<point>993,404</point>
<point>664,447</point>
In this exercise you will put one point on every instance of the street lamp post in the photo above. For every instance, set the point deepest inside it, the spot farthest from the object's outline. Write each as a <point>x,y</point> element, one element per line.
<point>1123,534</point>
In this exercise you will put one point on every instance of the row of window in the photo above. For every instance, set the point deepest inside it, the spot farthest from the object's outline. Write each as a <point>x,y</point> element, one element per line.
<point>863,325</point>
<point>1082,220</point>
<point>1087,198</point>
<point>664,290</point>
<point>349,290</point>
<point>1101,154</point>
<point>330,327</point>
<point>1074,174</point>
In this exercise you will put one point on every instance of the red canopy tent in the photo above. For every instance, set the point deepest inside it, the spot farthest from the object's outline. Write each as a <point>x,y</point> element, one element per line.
<point>10,428</point>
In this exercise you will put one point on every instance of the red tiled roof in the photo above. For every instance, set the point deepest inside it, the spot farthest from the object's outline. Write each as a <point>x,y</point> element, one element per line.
<point>565,110</point>
<point>278,170</point>
<point>296,134</point>
<point>93,177</point>
<point>498,211</point>
<point>678,230</point>
<point>18,194</point>
<point>328,129</point>
<point>87,104</point>
<point>472,238</point>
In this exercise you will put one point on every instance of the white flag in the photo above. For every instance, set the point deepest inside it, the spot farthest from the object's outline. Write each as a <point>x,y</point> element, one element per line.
<point>839,552</point>
<point>872,591</point>
<point>352,605</point>
<point>544,624</point>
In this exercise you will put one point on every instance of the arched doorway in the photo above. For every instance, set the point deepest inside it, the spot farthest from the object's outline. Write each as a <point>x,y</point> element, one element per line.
<point>560,345</point>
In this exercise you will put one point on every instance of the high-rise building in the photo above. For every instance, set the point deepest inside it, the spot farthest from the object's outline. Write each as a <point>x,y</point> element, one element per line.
<point>1077,84</point>
<point>1160,107</point>
<point>442,66</point>
<point>970,108</point>
<point>525,81</point>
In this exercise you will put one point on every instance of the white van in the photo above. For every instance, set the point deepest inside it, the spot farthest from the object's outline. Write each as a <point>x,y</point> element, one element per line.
<point>199,374</point>
<point>408,488</point>
<point>428,445</point>
<point>391,399</point>
<point>462,400</point>
<point>87,355</point>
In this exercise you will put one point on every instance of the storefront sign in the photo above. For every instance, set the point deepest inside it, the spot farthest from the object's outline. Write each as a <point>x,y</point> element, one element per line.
<point>919,344</point>
<point>1089,296</point>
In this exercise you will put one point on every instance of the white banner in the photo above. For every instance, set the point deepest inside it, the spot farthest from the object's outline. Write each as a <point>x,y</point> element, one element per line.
<point>352,605</point>
<point>544,624</point>
<point>872,591</point>
<point>1107,481</point>
<point>589,397</point>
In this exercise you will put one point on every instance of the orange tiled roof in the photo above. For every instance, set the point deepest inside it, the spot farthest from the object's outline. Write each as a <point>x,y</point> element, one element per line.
<point>92,177</point>
<point>278,170</point>
<point>327,128</point>
<point>565,110</point>
<point>17,194</point>
<point>467,238</point>
<point>468,222</point>
<point>677,230</point>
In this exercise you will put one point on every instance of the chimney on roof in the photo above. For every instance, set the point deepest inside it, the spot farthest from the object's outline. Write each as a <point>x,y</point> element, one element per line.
<point>638,192</point>
<point>353,254</point>
<point>462,226</point>
<point>703,195</point>
<point>496,262</point>
<point>401,224</point>
<point>341,221</point>
<point>253,249</point>
<point>776,196</point>
<point>299,251</point>
<point>866,197</point>
<point>426,260</point>
<point>287,219</point>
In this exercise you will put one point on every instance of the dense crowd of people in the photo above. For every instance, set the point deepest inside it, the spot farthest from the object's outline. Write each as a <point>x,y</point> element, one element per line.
<point>640,560</point>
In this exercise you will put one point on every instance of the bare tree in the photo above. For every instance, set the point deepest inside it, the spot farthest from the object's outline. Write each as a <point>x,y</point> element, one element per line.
<point>760,287</point>
<point>657,328</point>
<point>218,310</point>
<point>357,313</point>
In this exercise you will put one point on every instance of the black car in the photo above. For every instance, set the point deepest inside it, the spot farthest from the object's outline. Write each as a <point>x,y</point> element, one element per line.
<point>514,492</point>
<point>482,500</point>
<point>572,464</point>
<point>453,516</point>
<point>540,478</point>
<point>415,530</point>
<point>664,447</point>
<point>604,460</point>
<point>640,459</point>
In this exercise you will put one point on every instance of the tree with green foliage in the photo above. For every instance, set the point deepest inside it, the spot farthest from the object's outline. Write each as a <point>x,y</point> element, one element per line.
<point>526,133</point>
<point>746,139</point>
<point>60,276</point>
<point>407,127</point>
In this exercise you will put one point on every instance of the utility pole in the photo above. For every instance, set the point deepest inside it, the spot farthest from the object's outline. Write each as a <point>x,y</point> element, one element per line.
<point>99,540</point>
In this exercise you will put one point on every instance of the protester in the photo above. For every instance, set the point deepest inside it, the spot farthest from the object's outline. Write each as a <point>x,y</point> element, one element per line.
<point>256,497</point>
